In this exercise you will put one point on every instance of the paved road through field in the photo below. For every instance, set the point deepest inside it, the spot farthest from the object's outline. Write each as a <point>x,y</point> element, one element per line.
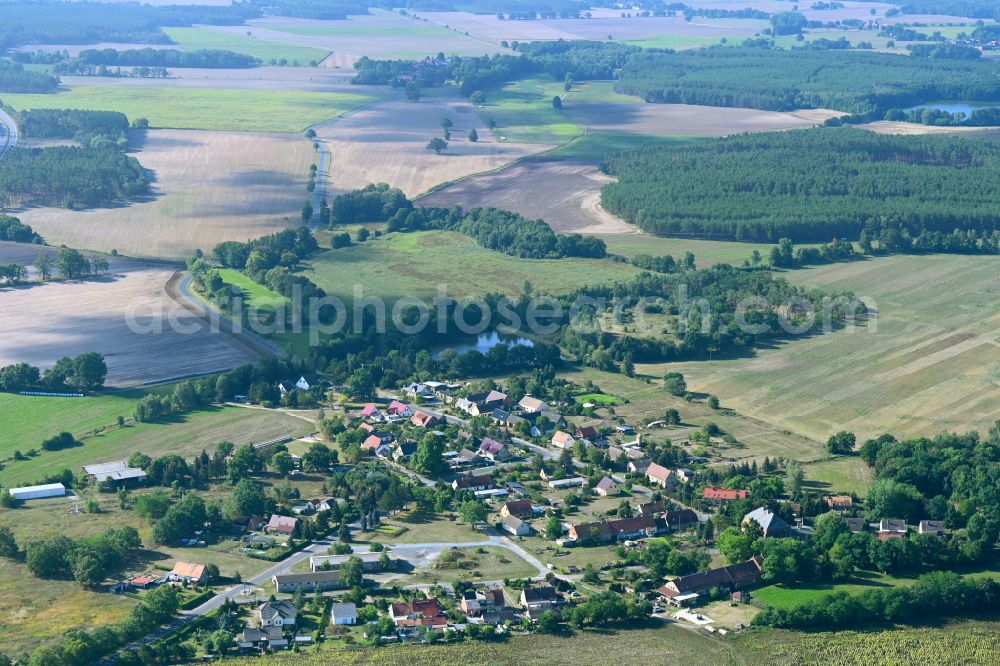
<point>8,133</point>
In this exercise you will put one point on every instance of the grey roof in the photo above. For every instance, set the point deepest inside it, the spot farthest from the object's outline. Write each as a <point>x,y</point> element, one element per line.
<point>316,576</point>
<point>271,609</point>
<point>606,484</point>
<point>343,610</point>
<point>513,522</point>
<point>255,635</point>
<point>116,471</point>
<point>766,519</point>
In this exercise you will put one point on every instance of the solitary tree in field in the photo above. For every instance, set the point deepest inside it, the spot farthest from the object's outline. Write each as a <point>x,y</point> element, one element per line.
<point>473,135</point>
<point>437,145</point>
<point>44,266</point>
<point>841,443</point>
<point>557,102</point>
<point>446,124</point>
<point>412,92</point>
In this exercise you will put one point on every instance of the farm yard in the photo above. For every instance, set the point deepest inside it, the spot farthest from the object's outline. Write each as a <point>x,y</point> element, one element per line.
<point>209,187</point>
<point>387,142</point>
<point>43,322</point>
<point>931,366</point>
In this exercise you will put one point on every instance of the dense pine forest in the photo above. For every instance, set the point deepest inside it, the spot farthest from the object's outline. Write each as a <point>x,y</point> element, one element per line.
<point>68,176</point>
<point>855,82</point>
<point>809,185</point>
<point>204,58</point>
<point>83,126</point>
<point>14,78</point>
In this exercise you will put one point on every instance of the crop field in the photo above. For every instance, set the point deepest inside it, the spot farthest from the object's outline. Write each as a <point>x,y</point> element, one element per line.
<point>387,143</point>
<point>931,366</point>
<point>706,253</point>
<point>381,34</point>
<point>37,614</point>
<point>180,107</point>
<point>208,187</point>
<point>288,79</point>
<point>564,193</point>
<point>184,435</point>
<point>40,323</point>
<point>523,111</point>
<point>416,264</point>
<point>267,49</point>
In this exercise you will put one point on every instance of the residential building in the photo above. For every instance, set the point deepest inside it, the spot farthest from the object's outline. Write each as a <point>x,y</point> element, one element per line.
<point>934,527</point>
<point>423,419</point>
<point>538,599</point>
<point>307,582</point>
<point>520,508</point>
<point>892,526</point>
<point>416,389</point>
<point>614,530</point>
<point>516,526</point>
<point>723,494</point>
<point>372,412</point>
<point>856,525</point>
<point>263,637</point>
<point>463,458</point>
<point>480,603</point>
<point>839,502</point>
<point>587,432</point>
<point>499,416</point>
<point>404,450</point>
<point>680,520</point>
<point>493,450</point>
<point>343,614</point>
<point>417,609</point>
<point>533,405</point>
<point>399,409</point>
<point>687,588</point>
<point>562,440</point>
<point>639,466</point>
<point>772,524</point>
<point>652,508</point>
<point>624,429</point>
<point>276,614</point>
<point>473,483</point>
<point>606,487</point>
<point>284,525</point>
<point>660,476</point>
<point>186,572</point>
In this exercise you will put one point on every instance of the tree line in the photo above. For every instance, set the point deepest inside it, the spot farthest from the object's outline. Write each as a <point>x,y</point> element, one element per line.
<point>79,125</point>
<point>14,78</point>
<point>12,229</point>
<point>86,371</point>
<point>149,57</point>
<point>780,80</point>
<point>809,186</point>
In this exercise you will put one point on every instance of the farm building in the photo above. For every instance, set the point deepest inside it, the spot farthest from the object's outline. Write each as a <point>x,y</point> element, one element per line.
<point>369,561</point>
<point>344,614</point>
<point>307,582</point>
<point>38,492</point>
<point>117,471</point>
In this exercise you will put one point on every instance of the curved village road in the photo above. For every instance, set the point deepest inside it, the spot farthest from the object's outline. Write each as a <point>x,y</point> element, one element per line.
<point>9,138</point>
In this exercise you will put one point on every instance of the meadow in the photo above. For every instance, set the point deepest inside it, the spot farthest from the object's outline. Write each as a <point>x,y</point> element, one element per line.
<point>28,420</point>
<point>167,106</point>
<point>930,366</point>
<point>415,264</point>
<point>184,435</point>
<point>269,51</point>
<point>523,112</point>
<point>844,474</point>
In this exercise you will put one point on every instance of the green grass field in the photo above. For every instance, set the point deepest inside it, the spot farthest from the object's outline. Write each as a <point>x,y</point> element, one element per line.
<point>185,435</point>
<point>203,108</point>
<point>846,474</point>
<point>352,30</point>
<point>523,112</point>
<point>270,52</point>
<point>706,253</point>
<point>254,293</point>
<point>677,42</point>
<point>598,399</point>
<point>415,264</point>
<point>789,596</point>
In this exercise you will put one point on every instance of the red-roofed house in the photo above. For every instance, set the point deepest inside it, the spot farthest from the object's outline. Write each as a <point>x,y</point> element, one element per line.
<point>418,614</point>
<point>493,450</point>
<point>723,494</point>
<point>281,525</point>
<point>587,432</point>
<point>473,483</point>
<point>372,412</point>
<point>660,475</point>
<point>562,440</point>
<point>397,408</point>
<point>423,419</point>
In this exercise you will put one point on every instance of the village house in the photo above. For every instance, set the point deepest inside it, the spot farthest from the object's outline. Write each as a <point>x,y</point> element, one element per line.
<point>533,405</point>
<point>423,419</point>
<point>372,412</point>
<point>463,458</point>
<point>660,476</point>
<point>537,599</point>
<point>606,487</point>
<point>839,502</point>
<point>856,525</point>
<point>399,410</point>
<point>772,525</point>
<point>499,417</point>
<point>651,508</point>
<point>473,483</point>
<point>519,508</point>
<point>483,604</point>
<point>587,432</point>
<point>562,440</point>
<point>403,451</point>
<point>614,530</point>
<point>343,614</point>
<point>307,582</point>
<point>186,572</point>
<point>375,445</point>
<point>723,494</point>
<point>283,525</point>
<point>891,528</point>
<point>623,429</point>
<point>493,450</point>
<point>276,614</point>
<point>516,526</point>
<point>638,466</point>
<point>415,389</point>
<point>933,527</point>
<point>687,588</point>
<point>680,520</point>
<point>418,616</point>
<point>263,637</point>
